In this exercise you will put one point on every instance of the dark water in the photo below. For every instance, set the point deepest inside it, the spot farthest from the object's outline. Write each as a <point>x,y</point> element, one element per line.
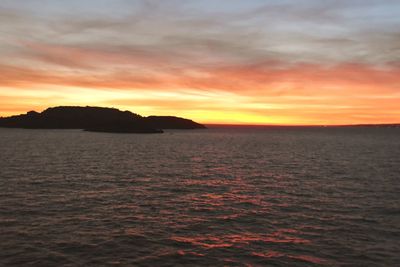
<point>234,197</point>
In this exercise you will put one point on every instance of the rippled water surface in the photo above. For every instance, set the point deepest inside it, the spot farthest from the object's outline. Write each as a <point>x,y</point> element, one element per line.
<point>234,197</point>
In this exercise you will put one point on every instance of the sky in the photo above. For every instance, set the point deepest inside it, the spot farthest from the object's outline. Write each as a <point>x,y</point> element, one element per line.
<point>290,62</point>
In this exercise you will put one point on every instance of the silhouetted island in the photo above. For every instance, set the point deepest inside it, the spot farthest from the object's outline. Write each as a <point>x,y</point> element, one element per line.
<point>97,119</point>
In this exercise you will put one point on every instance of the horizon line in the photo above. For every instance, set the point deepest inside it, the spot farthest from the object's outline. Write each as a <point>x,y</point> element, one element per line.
<point>300,125</point>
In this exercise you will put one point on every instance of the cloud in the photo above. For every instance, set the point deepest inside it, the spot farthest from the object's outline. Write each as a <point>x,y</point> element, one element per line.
<point>263,78</point>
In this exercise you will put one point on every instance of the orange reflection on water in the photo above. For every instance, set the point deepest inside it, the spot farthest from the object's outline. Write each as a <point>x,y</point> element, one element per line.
<point>275,254</point>
<point>230,240</point>
<point>213,182</point>
<point>270,254</point>
<point>234,202</point>
<point>308,258</point>
<point>234,196</point>
<point>183,252</point>
<point>205,242</point>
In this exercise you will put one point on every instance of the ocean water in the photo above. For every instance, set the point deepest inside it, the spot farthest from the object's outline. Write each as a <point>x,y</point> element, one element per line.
<point>217,197</point>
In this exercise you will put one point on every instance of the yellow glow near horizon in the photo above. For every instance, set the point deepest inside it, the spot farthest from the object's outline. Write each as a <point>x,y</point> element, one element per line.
<point>211,107</point>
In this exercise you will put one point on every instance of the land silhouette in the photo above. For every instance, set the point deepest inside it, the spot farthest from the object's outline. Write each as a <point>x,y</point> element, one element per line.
<point>96,119</point>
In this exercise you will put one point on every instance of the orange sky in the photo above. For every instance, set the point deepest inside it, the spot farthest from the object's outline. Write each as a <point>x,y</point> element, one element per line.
<point>235,66</point>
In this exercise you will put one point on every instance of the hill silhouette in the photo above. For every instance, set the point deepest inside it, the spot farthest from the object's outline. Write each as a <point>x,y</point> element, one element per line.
<point>98,119</point>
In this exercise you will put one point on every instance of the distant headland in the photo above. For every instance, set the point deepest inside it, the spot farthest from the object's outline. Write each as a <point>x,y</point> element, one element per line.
<point>96,119</point>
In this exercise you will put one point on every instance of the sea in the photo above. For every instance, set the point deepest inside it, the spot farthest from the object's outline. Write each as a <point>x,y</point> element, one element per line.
<point>224,196</point>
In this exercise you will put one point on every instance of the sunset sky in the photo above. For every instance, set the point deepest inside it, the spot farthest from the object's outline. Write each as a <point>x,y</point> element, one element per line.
<point>214,61</point>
